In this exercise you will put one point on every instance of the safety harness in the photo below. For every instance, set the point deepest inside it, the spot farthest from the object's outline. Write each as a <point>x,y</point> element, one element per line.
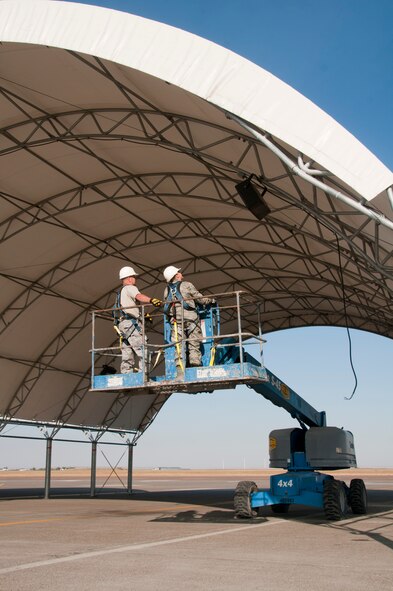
<point>173,296</point>
<point>118,315</point>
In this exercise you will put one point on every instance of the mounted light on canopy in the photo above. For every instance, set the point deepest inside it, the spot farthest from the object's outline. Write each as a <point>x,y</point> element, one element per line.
<point>252,198</point>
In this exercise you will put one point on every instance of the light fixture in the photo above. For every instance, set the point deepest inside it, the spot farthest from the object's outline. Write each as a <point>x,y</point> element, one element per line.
<point>252,198</point>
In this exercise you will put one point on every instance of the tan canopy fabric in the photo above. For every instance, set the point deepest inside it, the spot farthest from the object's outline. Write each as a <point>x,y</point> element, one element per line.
<point>117,147</point>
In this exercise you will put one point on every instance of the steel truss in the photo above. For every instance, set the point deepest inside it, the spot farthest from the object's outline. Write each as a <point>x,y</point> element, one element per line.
<point>308,239</point>
<point>49,434</point>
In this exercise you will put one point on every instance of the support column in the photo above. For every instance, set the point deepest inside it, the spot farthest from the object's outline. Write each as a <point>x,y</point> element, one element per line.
<point>93,472</point>
<point>48,466</point>
<point>130,467</point>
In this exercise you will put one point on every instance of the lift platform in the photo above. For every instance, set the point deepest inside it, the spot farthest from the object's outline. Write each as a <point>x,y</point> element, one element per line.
<point>225,361</point>
<point>194,380</point>
<point>232,354</point>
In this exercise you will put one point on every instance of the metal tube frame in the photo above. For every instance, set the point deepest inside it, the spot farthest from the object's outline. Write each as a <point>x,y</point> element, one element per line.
<point>144,351</point>
<point>260,334</point>
<point>183,340</point>
<point>130,467</point>
<point>92,348</point>
<point>308,176</point>
<point>239,325</point>
<point>93,469</point>
<point>48,466</point>
<point>240,336</point>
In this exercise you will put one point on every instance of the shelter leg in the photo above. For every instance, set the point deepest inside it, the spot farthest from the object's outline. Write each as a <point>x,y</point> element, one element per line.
<point>93,472</point>
<point>48,467</point>
<point>130,467</point>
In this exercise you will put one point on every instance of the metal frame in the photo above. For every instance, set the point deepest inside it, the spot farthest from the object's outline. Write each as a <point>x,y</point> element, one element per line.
<point>237,306</point>
<point>94,435</point>
<point>360,291</point>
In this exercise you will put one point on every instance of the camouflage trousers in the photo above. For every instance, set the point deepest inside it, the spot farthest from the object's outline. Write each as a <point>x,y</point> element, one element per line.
<point>132,351</point>
<point>192,330</point>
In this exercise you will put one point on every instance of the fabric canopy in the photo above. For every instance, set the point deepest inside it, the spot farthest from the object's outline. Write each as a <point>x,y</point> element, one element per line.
<point>118,146</point>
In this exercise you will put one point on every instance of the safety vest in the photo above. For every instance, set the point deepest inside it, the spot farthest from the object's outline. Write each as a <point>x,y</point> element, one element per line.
<point>174,295</point>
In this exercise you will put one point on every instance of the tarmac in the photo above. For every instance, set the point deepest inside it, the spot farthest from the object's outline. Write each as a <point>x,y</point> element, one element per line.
<point>177,531</point>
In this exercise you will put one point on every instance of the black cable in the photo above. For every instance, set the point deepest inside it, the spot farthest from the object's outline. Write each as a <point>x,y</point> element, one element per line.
<point>346,320</point>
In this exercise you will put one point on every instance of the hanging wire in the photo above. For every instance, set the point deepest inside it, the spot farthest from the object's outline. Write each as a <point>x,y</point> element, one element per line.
<point>346,321</point>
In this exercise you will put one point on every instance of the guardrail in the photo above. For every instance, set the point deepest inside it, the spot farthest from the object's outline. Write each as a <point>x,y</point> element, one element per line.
<point>237,323</point>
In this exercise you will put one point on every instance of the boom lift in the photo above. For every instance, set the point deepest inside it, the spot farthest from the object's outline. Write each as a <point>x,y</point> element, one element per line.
<point>226,363</point>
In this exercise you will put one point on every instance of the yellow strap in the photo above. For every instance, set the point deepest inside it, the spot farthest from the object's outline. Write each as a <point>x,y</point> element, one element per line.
<point>119,333</point>
<point>178,348</point>
<point>212,354</point>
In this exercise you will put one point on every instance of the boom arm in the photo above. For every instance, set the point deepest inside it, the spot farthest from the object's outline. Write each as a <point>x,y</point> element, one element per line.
<point>281,395</point>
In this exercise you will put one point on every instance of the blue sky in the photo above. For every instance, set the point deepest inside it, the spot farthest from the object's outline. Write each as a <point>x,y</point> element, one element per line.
<point>340,55</point>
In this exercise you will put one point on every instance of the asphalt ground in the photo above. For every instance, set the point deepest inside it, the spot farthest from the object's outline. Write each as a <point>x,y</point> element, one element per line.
<point>177,532</point>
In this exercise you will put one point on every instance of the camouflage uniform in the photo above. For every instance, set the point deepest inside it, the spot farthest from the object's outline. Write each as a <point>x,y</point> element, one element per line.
<point>131,329</point>
<point>191,322</point>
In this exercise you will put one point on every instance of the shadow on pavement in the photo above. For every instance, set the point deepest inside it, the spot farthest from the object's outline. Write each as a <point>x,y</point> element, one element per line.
<point>380,501</point>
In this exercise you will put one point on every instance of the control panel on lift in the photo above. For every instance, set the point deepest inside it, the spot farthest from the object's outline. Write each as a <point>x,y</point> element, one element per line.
<point>226,360</point>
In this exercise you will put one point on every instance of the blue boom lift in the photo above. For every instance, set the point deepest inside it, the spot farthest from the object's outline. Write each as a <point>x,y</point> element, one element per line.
<point>226,362</point>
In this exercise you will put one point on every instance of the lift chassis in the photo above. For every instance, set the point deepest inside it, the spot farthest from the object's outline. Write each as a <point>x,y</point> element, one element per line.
<point>227,362</point>
<point>302,483</point>
<point>302,452</point>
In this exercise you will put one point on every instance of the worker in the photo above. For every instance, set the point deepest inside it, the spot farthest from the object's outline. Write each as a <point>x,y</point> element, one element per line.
<point>178,290</point>
<point>130,325</point>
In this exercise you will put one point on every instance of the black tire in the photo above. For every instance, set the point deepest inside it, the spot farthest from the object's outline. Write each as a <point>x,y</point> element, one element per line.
<point>335,502</point>
<point>358,496</point>
<point>280,508</point>
<point>242,500</point>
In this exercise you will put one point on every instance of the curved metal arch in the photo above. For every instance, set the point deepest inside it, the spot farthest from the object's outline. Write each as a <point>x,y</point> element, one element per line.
<point>58,343</point>
<point>57,129</point>
<point>40,286</point>
<point>72,199</point>
<point>45,283</point>
<point>343,232</point>
<point>277,192</point>
<point>78,261</point>
<point>135,100</point>
<point>363,247</point>
<point>114,410</point>
<point>157,139</point>
<point>230,166</point>
<point>80,322</point>
<point>118,404</point>
<point>174,120</point>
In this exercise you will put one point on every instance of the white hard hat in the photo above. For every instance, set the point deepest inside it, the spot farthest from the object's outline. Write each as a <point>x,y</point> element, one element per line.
<point>170,272</point>
<point>126,272</point>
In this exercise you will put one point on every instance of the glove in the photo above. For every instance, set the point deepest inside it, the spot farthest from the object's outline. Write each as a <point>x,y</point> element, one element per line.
<point>156,302</point>
<point>148,318</point>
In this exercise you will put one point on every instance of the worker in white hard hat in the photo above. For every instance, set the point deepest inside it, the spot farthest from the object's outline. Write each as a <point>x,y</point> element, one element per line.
<point>130,326</point>
<point>183,294</point>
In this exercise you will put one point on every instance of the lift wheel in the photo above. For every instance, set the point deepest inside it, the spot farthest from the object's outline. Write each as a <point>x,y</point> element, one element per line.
<point>358,496</point>
<point>335,503</point>
<point>242,500</point>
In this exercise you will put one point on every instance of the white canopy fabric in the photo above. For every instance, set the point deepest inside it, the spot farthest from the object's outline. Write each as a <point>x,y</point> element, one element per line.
<point>116,147</point>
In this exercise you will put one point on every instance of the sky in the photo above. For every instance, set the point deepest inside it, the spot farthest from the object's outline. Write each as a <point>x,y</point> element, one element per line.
<point>339,54</point>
